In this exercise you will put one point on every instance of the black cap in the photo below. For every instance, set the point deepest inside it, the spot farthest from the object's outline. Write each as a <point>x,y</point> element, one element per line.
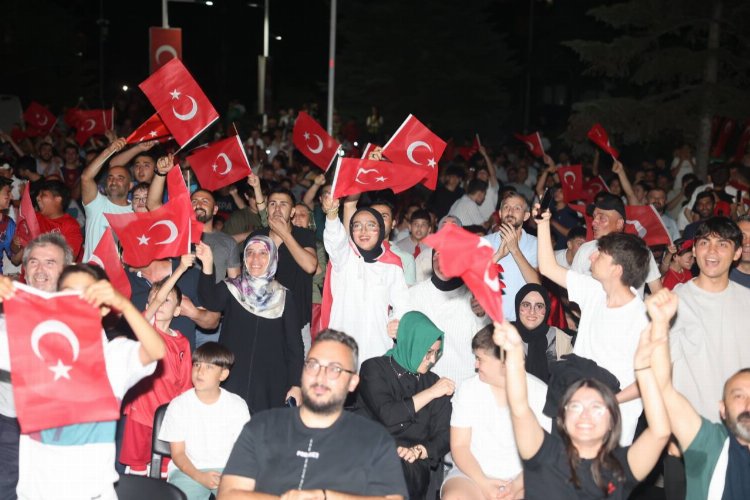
<point>607,201</point>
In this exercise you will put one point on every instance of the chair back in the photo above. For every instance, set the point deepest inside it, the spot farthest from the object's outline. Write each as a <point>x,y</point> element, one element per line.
<point>141,488</point>
<point>159,448</point>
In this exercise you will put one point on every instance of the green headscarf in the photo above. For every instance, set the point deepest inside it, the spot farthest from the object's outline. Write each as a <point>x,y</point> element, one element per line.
<point>416,334</point>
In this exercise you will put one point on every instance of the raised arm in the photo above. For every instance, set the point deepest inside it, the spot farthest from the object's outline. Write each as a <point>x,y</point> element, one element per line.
<point>684,420</point>
<point>647,449</point>
<point>490,166</point>
<point>312,191</point>
<point>541,182</point>
<point>124,157</point>
<point>156,189</point>
<point>186,261</point>
<point>627,187</point>
<point>548,265</point>
<point>529,434</point>
<point>89,189</point>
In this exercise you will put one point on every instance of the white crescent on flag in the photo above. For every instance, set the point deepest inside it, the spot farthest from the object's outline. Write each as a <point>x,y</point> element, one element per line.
<point>412,147</point>
<point>572,175</point>
<point>172,231</point>
<point>319,147</point>
<point>190,114</point>
<point>638,227</point>
<point>56,327</point>
<point>365,171</point>
<point>39,120</point>
<point>91,124</point>
<point>227,162</point>
<point>164,49</point>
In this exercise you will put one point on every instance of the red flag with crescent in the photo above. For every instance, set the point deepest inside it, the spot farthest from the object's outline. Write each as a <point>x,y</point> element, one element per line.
<point>314,142</point>
<point>177,186</point>
<point>599,136</point>
<point>91,122</point>
<point>165,44</point>
<point>594,186</point>
<point>571,182</point>
<point>415,145</point>
<point>39,119</point>
<point>179,100</point>
<point>105,256</point>
<point>355,175</point>
<point>645,221</point>
<point>28,225</point>
<point>533,142</point>
<point>222,163</point>
<point>152,129</point>
<point>158,234</point>
<point>57,360</point>
<point>464,254</point>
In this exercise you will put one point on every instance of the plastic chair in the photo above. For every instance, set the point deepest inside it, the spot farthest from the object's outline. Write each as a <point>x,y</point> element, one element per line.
<point>142,488</point>
<point>159,448</point>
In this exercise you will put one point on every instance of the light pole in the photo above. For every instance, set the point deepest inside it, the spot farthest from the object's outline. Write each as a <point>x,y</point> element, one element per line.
<point>262,63</point>
<point>331,65</point>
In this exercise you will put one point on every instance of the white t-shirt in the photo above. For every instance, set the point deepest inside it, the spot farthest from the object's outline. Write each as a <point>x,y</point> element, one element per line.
<point>492,440</point>
<point>709,343</point>
<point>96,222</point>
<point>561,258</point>
<point>469,213</point>
<point>609,336</point>
<point>208,430</point>
<point>78,461</point>
<point>582,264</point>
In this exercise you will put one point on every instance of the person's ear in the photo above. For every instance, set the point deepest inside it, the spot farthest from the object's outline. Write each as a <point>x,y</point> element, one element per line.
<point>176,312</point>
<point>722,410</point>
<point>353,382</point>
<point>620,224</point>
<point>526,215</point>
<point>737,254</point>
<point>216,209</point>
<point>224,374</point>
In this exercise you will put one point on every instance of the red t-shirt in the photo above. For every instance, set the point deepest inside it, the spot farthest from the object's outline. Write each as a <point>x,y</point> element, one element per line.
<point>171,378</point>
<point>673,278</point>
<point>68,227</point>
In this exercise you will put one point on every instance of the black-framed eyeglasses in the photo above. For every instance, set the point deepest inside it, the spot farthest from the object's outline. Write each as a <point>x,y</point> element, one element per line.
<point>333,371</point>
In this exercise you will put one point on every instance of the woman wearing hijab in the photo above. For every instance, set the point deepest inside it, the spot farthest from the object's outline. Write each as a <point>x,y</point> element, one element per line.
<point>542,343</point>
<point>365,287</point>
<point>260,326</point>
<point>413,404</point>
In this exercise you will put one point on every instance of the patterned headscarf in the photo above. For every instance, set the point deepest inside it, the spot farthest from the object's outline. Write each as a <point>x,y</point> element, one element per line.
<point>261,295</point>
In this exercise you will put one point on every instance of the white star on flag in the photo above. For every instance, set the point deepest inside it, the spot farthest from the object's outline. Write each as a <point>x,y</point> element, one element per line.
<point>215,167</point>
<point>380,179</point>
<point>307,135</point>
<point>143,240</point>
<point>431,162</point>
<point>60,370</point>
<point>153,133</point>
<point>175,94</point>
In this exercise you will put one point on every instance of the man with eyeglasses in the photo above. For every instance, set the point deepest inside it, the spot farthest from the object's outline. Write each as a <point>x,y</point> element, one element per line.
<point>316,451</point>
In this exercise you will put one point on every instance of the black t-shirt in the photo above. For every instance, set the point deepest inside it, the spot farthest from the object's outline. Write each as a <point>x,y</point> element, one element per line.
<point>290,274</point>
<point>547,475</point>
<point>354,455</point>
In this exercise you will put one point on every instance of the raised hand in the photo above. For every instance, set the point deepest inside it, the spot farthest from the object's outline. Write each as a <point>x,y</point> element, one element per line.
<point>165,164</point>
<point>662,305</point>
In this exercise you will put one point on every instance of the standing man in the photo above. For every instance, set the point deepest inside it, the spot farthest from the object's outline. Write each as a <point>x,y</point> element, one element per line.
<point>95,204</point>
<point>515,250</point>
<point>316,451</point>
<point>741,273</point>
<point>476,206</point>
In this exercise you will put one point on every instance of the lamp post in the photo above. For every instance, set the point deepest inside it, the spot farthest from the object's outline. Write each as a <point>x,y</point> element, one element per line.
<point>331,65</point>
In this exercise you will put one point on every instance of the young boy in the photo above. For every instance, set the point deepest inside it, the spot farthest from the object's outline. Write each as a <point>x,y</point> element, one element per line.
<point>680,264</point>
<point>171,378</point>
<point>203,423</point>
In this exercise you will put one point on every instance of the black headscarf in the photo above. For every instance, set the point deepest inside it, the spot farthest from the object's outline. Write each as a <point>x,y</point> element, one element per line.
<point>377,250</point>
<point>444,285</point>
<point>536,339</point>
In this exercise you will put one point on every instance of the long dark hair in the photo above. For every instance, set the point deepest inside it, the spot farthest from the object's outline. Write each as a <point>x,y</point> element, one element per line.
<point>605,458</point>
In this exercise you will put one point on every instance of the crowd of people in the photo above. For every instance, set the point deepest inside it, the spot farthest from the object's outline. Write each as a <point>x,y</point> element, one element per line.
<point>311,347</point>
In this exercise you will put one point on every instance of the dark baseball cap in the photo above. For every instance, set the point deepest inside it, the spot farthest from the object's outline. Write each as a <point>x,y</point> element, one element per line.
<point>607,201</point>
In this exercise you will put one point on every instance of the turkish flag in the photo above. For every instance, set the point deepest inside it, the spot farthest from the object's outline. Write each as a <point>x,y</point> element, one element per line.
<point>158,234</point>
<point>355,175</point>
<point>28,225</point>
<point>57,360</point>
<point>179,100</point>
<point>721,141</point>
<point>314,142</point>
<point>40,120</point>
<point>581,209</point>
<point>164,44</point>
<point>176,186</point>
<point>468,151</point>
<point>91,122</point>
<point>644,221</point>
<point>599,136</point>
<point>594,186</point>
<point>105,256</point>
<point>413,144</point>
<point>152,129</point>
<point>571,181</point>
<point>465,254</point>
<point>369,149</point>
<point>222,163</point>
<point>533,142</point>
<point>71,117</point>
<point>742,143</point>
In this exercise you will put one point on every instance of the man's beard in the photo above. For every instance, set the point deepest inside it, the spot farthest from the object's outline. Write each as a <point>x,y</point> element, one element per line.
<point>739,429</point>
<point>203,216</point>
<point>510,220</point>
<point>328,408</point>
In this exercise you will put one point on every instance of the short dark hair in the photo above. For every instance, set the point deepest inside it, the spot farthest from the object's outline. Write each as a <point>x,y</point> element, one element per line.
<point>704,194</point>
<point>285,191</point>
<point>631,253</point>
<point>455,170</point>
<point>482,341</point>
<point>57,188</point>
<point>203,190</point>
<point>721,227</point>
<point>342,338</point>
<point>176,289</point>
<point>577,232</point>
<point>215,354</point>
<point>475,186</point>
<point>421,214</point>
<point>92,270</point>
<point>385,203</point>
<point>719,175</point>
<point>140,187</point>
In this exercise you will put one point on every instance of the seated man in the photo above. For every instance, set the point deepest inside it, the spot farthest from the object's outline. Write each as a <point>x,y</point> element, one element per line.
<point>318,450</point>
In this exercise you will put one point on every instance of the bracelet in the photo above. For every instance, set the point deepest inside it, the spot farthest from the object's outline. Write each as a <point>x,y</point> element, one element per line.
<point>261,202</point>
<point>156,171</point>
<point>642,368</point>
<point>333,211</point>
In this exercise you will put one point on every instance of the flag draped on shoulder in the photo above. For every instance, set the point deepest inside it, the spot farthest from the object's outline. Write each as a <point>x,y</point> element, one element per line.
<point>57,360</point>
<point>313,141</point>
<point>179,101</point>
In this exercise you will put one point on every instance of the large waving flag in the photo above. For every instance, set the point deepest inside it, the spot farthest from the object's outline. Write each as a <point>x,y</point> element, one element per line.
<point>105,256</point>
<point>533,142</point>
<point>220,164</point>
<point>152,129</point>
<point>355,175</point>
<point>314,142</point>
<point>599,136</point>
<point>413,144</point>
